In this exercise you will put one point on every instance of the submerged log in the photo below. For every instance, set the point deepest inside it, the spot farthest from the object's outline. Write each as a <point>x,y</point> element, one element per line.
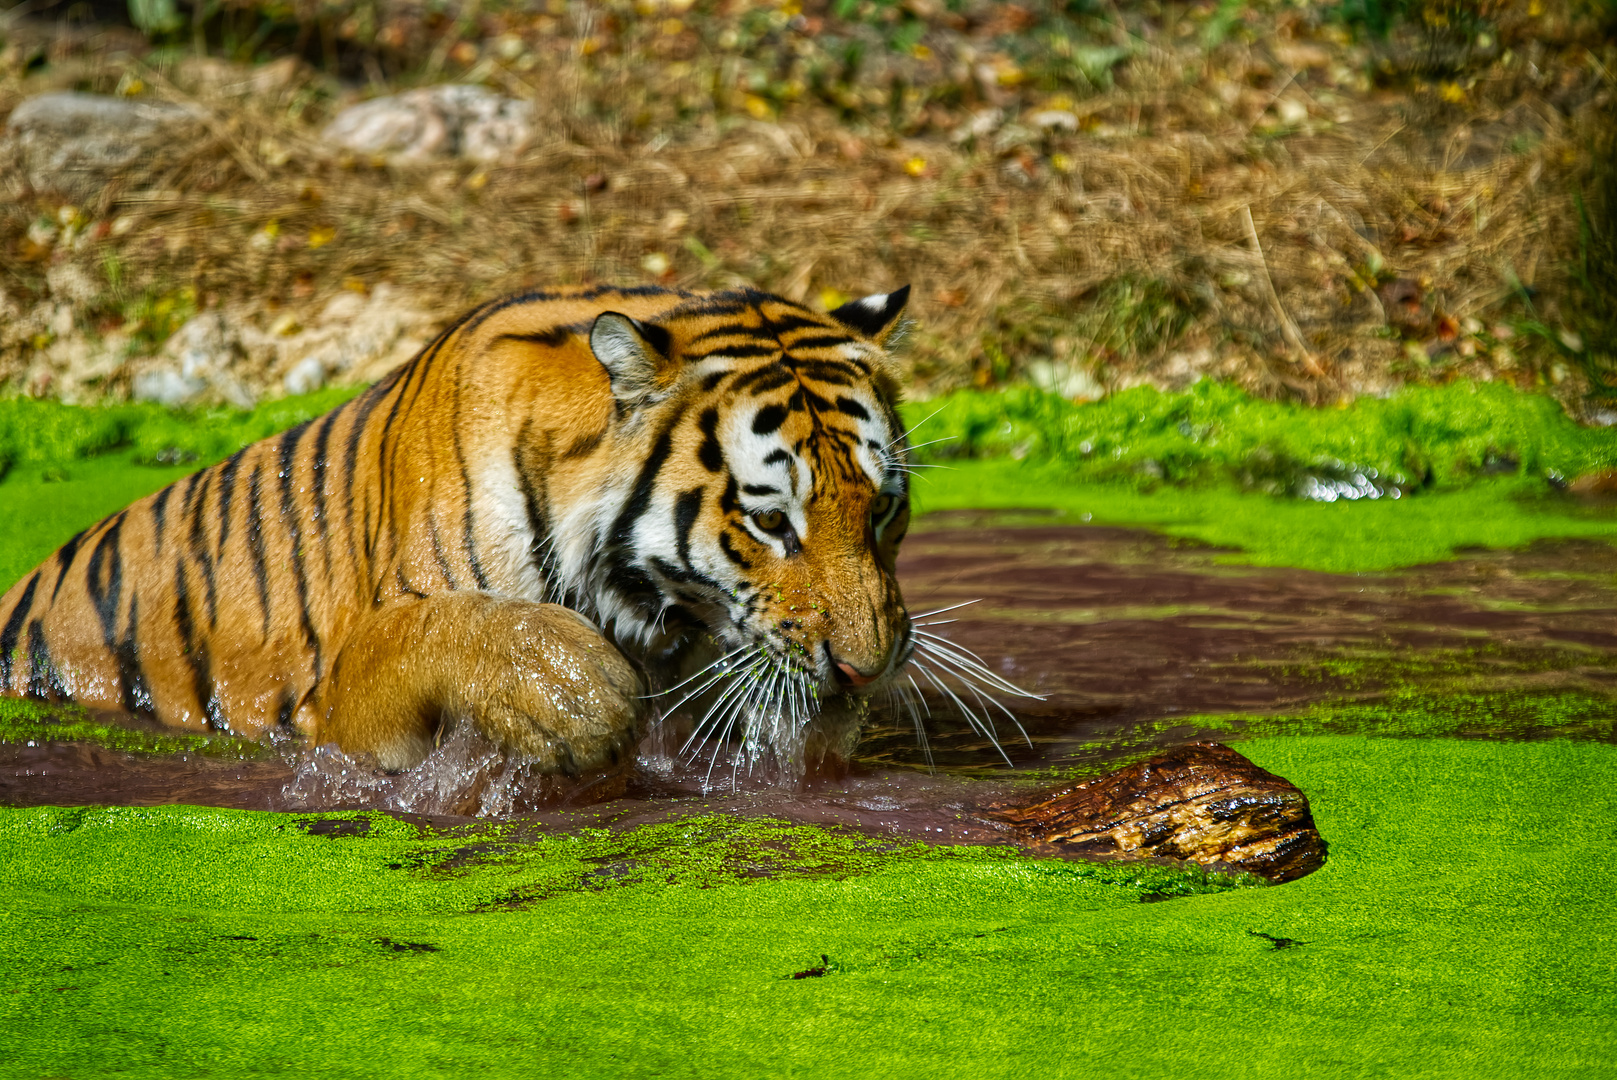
<point>1202,803</point>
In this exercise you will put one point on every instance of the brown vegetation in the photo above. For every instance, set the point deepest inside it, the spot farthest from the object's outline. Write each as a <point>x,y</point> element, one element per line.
<point>1087,195</point>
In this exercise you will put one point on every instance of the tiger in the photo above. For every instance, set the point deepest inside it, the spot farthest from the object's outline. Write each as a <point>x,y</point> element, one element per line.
<point>570,500</point>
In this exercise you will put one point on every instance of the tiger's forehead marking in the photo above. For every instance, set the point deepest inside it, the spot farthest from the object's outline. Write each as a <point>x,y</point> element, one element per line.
<point>801,398</point>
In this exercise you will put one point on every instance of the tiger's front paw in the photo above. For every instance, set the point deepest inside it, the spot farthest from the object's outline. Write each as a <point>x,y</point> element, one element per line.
<point>542,681</point>
<point>538,680</point>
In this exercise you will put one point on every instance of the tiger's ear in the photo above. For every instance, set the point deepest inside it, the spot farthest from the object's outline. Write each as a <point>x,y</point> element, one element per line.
<point>876,316</point>
<point>633,353</point>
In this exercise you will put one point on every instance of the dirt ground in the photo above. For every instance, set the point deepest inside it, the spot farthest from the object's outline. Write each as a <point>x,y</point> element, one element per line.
<point>1314,201</point>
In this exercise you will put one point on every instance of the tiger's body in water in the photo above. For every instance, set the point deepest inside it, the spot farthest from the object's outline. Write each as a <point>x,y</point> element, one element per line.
<point>559,502</point>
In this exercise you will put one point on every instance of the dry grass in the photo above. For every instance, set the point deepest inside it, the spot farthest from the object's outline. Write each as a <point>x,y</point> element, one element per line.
<point>1095,229</point>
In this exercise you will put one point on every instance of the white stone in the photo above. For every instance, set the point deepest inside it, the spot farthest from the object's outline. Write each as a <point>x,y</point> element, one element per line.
<point>472,122</point>
<point>306,376</point>
<point>74,143</point>
<point>1054,119</point>
<point>166,387</point>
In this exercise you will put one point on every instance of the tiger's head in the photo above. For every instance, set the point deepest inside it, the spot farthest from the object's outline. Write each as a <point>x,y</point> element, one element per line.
<point>765,518</point>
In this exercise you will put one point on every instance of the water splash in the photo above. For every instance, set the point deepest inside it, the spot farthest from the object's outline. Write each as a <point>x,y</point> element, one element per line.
<point>467,775</point>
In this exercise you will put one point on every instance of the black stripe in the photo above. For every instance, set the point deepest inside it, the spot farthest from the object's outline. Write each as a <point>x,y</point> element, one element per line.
<point>776,455</point>
<point>555,336</point>
<point>711,381</point>
<point>289,518</point>
<point>727,499</point>
<point>639,501</point>
<point>44,681</point>
<point>199,548</point>
<point>321,440</point>
<point>438,551</point>
<point>711,454</point>
<point>227,493</point>
<point>777,374</point>
<point>64,559</point>
<point>195,652</point>
<point>405,587</point>
<point>105,594</point>
<point>686,507</point>
<point>584,445</point>
<point>816,403</point>
<point>368,402</point>
<point>852,408</point>
<point>536,499</point>
<point>758,350</point>
<point>730,551</point>
<point>827,372</point>
<point>13,630</point>
<point>760,489</point>
<point>160,517</point>
<point>739,336</point>
<point>785,324</point>
<point>632,583</point>
<point>137,693</point>
<point>468,532</point>
<point>387,455</point>
<point>255,545</point>
<point>468,537</point>
<point>764,380</point>
<point>821,341</point>
<point>770,418</point>
<point>682,576</point>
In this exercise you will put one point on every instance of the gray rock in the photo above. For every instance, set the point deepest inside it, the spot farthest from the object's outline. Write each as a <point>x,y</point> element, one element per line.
<point>306,376</point>
<point>436,122</point>
<point>167,387</point>
<point>73,143</point>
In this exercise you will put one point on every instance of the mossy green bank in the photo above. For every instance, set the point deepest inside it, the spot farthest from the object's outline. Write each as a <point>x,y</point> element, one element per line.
<point>1462,928</point>
<point>1375,485</point>
<point>1410,478</point>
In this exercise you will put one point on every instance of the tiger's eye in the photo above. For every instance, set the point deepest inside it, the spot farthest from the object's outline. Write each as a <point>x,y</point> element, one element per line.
<point>880,505</point>
<point>770,521</point>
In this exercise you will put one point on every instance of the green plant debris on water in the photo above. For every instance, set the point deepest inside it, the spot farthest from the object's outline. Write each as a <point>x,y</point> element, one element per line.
<point>1456,931</point>
<point>29,722</point>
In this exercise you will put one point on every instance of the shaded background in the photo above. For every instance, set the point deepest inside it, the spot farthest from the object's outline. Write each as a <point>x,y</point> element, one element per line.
<point>1314,200</point>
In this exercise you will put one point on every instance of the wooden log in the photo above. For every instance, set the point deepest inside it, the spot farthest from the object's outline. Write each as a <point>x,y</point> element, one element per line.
<point>1202,803</point>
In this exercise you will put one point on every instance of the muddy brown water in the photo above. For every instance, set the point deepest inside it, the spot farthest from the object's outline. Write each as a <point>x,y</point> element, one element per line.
<point>1118,630</point>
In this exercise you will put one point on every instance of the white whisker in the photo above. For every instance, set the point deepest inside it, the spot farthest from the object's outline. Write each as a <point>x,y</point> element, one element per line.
<point>709,667</point>
<point>964,658</point>
<point>944,610</point>
<point>912,428</point>
<point>729,693</point>
<point>930,442</point>
<point>977,723</point>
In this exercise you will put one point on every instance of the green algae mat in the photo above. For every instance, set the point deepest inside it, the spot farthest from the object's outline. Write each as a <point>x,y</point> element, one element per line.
<point>1465,926</point>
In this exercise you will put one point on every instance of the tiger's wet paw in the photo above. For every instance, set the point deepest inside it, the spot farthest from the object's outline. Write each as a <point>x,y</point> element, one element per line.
<point>545,685</point>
